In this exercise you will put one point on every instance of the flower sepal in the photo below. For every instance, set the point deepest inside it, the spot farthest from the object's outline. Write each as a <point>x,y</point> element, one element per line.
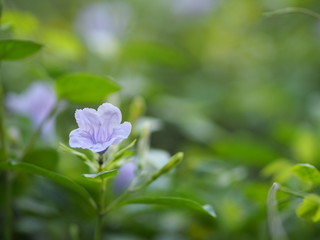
<point>102,175</point>
<point>114,159</point>
<point>91,161</point>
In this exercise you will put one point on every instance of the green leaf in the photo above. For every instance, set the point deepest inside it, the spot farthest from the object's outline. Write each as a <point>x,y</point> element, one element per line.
<point>45,157</point>
<point>85,87</point>
<point>175,202</point>
<point>310,208</point>
<point>17,49</point>
<point>307,173</point>
<point>155,52</point>
<point>102,175</point>
<point>245,149</point>
<point>60,179</point>
<point>279,170</point>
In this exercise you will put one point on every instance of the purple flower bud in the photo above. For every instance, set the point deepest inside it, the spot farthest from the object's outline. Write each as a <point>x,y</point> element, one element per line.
<point>36,103</point>
<point>99,129</point>
<point>125,176</point>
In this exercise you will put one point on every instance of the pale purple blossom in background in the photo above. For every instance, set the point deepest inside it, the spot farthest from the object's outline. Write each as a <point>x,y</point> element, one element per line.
<point>99,129</point>
<point>35,103</point>
<point>125,176</point>
<point>192,7</point>
<point>102,24</point>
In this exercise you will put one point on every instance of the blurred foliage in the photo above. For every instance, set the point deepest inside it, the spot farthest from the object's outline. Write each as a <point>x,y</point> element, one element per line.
<point>235,90</point>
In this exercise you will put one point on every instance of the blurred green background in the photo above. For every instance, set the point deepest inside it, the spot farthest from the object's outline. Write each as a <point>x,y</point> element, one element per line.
<point>235,90</point>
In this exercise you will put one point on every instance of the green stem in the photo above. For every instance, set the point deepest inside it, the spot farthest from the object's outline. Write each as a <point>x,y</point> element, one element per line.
<point>98,230</point>
<point>101,206</point>
<point>293,10</point>
<point>275,225</point>
<point>116,201</point>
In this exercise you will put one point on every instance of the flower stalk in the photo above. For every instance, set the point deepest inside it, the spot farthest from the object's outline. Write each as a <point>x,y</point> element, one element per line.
<point>101,205</point>
<point>98,130</point>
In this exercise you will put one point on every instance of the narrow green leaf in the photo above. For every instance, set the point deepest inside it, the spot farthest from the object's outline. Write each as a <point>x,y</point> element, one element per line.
<point>103,175</point>
<point>85,87</point>
<point>92,164</point>
<point>310,208</point>
<point>123,150</point>
<point>174,161</point>
<point>119,155</point>
<point>60,179</point>
<point>17,49</point>
<point>307,173</point>
<point>173,202</point>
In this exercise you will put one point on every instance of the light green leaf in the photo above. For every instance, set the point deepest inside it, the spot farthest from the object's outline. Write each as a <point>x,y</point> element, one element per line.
<point>310,208</point>
<point>17,49</point>
<point>85,87</point>
<point>307,173</point>
<point>60,179</point>
<point>175,202</point>
<point>102,175</point>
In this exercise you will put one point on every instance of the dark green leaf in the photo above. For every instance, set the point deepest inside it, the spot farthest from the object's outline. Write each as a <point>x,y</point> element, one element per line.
<point>46,158</point>
<point>85,87</point>
<point>103,175</point>
<point>307,173</point>
<point>245,150</point>
<point>310,208</point>
<point>62,180</point>
<point>17,49</point>
<point>175,202</point>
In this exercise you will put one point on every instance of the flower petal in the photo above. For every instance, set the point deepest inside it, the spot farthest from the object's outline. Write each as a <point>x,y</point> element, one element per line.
<point>121,132</point>
<point>125,176</point>
<point>110,117</point>
<point>87,119</point>
<point>100,147</point>
<point>80,139</point>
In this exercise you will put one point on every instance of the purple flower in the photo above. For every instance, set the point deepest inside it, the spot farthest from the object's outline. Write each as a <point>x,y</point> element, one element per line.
<point>99,129</point>
<point>101,25</point>
<point>125,176</point>
<point>36,103</point>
